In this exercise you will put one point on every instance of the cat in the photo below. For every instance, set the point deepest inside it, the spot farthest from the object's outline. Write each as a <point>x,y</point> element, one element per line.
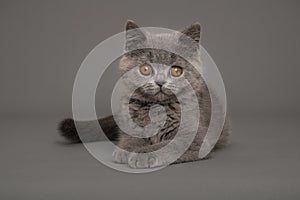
<point>163,70</point>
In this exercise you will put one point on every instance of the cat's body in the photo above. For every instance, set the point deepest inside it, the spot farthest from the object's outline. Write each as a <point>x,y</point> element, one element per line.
<point>157,90</point>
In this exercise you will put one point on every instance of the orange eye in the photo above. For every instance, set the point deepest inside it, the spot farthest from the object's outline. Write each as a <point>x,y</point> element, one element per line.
<point>176,71</point>
<point>145,70</point>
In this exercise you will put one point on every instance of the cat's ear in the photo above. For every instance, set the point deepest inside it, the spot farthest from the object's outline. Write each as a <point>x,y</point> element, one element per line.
<point>135,37</point>
<point>193,31</point>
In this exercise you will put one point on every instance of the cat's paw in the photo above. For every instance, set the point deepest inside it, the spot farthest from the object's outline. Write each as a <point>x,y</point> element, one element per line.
<point>120,156</point>
<point>143,160</point>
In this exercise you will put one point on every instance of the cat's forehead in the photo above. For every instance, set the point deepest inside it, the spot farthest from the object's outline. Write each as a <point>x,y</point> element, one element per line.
<point>163,48</point>
<point>160,56</point>
<point>167,41</point>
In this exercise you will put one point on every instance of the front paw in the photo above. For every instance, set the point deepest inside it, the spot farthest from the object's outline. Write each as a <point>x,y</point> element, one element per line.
<point>143,160</point>
<point>120,155</point>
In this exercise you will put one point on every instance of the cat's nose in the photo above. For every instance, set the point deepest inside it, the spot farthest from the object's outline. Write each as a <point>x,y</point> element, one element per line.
<point>160,83</point>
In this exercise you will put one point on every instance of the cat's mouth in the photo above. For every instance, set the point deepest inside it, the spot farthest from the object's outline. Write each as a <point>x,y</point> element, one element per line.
<point>158,94</point>
<point>163,92</point>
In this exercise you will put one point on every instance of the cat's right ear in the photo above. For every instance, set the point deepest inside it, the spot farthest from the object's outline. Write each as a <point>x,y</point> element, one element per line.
<point>135,37</point>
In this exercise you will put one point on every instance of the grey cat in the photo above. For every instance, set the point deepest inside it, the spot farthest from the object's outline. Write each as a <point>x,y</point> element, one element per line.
<point>163,72</point>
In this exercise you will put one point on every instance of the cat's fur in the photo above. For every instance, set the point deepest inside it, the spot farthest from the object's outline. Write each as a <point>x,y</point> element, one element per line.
<point>151,93</point>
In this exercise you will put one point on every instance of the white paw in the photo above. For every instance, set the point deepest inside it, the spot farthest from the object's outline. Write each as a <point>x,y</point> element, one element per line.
<point>120,156</point>
<point>143,160</point>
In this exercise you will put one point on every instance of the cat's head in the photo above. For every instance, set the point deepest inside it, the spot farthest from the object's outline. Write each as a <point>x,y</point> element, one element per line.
<point>162,72</point>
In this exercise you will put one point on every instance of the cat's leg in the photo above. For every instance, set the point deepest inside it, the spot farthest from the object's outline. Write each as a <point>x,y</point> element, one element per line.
<point>151,159</point>
<point>190,156</point>
<point>146,157</point>
<point>120,155</point>
<point>143,157</point>
<point>126,145</point>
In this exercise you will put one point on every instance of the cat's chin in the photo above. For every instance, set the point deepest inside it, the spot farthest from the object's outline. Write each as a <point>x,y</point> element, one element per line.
<point>158,96</point>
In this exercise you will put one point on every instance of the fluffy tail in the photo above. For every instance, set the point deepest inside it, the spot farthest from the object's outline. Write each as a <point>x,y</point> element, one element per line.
<point>88,133</point>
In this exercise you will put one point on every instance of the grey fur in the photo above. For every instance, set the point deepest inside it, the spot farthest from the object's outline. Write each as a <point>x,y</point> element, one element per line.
<point>151,94</point>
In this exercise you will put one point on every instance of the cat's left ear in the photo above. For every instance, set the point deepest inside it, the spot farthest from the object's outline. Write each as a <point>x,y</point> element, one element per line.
<point>135,37</point>
<point>193,31</point>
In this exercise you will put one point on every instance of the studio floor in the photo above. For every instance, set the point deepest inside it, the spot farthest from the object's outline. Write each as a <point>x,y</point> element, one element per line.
<point>262,162</point>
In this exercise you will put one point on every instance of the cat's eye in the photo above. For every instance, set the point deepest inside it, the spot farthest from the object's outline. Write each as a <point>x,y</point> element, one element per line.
<point>176,71</point>
<point>145,70</point>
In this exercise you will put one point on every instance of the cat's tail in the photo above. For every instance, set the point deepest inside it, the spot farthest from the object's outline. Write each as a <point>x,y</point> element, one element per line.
<point>88,132</point>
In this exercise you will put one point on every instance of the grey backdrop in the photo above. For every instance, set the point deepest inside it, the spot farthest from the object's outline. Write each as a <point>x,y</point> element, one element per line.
<point>255,44</point>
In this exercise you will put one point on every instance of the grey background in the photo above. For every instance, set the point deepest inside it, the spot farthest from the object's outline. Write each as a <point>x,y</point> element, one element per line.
<point>255,45</point>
